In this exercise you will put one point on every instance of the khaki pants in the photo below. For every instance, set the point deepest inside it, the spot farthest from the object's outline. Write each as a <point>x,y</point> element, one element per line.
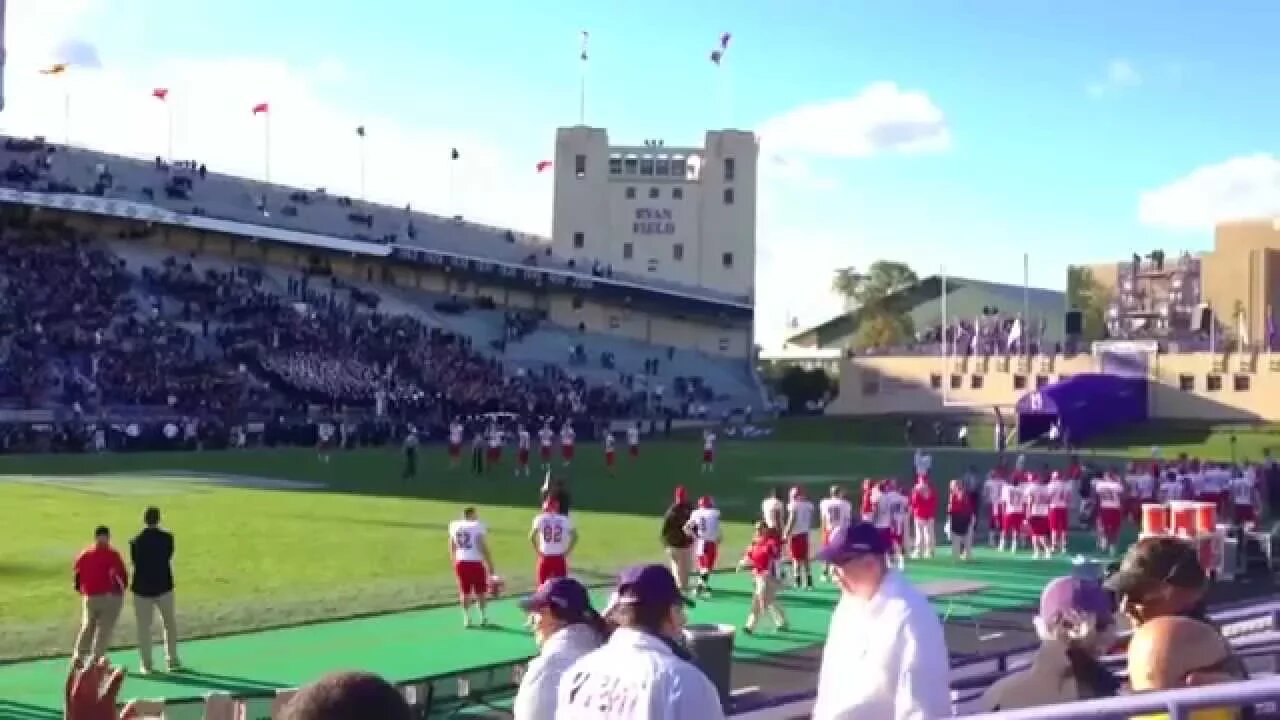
<point>96,625</point>
<point>144,609</point>
<point>681,565</point>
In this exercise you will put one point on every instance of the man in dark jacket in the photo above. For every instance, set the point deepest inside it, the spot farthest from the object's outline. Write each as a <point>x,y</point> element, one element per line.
<point>677,542</point>
<point>152,554</point>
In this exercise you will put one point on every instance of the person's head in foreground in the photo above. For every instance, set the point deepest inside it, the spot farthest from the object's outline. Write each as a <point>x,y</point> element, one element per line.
<point>347,696</point>
<point>101,536</point>
<point>856,552</point>
<point>647,598</point>
<point>1077,613</point>
<point>560,603</point>
<point>1173,652</point>
<point>151,516</point>
<point>1159,576</point>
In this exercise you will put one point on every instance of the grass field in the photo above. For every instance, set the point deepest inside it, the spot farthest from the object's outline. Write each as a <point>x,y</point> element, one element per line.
<point>353,539</point>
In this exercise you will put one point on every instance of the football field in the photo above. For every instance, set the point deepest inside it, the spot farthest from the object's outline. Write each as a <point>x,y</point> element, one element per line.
<point>276,538</point>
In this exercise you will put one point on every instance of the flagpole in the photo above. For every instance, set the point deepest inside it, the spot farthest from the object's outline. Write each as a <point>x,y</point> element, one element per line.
<point>66,113</point>
<point>362,167</point>
<point>582,81</point>
<point>946,327</point>
<point>266,144</point>
<point>1026,298</point>
<point>1213,332</point>
<point>169,111</point>
<point>453,164</point>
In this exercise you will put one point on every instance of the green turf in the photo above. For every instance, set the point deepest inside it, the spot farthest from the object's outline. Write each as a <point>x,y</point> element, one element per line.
<point>366,542</point>
<point>362,541</point>
<point>405,646</point>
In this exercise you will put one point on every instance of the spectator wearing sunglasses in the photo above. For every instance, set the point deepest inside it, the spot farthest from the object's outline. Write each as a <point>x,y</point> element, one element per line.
<point>1160,576</point>
<point>1161,579</point>
<point>1172,652</point>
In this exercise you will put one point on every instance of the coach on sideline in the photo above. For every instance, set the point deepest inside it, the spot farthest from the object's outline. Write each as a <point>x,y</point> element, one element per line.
<point>677,542</point>
<point>100,576</point>
<point>885,656</point>
<point>152,554</point>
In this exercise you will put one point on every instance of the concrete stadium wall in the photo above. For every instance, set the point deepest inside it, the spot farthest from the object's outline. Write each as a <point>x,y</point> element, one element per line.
<point>1236,387</point>
<point>563,306</point>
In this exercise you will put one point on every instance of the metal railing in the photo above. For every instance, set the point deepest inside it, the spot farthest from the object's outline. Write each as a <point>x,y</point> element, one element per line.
<point>1177,704</point>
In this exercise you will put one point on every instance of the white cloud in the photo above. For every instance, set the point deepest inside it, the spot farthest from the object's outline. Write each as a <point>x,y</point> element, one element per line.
<point>313,140</point>
<point>881,118</point>
<point>1120,74</point>
<point>1238,188</point>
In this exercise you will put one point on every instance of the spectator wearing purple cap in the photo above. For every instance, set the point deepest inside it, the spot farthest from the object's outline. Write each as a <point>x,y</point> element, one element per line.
<point>566,627</point>
<point>1076,626</point>
<point>641,673</point>
<point>885,655</point>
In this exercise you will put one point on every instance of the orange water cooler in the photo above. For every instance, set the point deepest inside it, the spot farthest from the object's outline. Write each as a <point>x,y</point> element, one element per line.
<point>1155,520</point>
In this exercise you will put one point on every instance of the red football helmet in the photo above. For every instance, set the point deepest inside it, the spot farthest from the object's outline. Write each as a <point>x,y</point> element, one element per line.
<point>705,502</point>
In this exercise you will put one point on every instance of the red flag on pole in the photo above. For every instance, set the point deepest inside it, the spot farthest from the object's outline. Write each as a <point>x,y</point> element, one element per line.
<point>543,165</point>
<point>261,108</point>
<point>160,93</point>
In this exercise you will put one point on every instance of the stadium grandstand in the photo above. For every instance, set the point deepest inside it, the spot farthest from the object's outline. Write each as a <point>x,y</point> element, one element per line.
<point>235,297</point>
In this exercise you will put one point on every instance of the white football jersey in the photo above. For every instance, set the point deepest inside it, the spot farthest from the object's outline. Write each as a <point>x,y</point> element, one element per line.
<point>1110,493</point>
<point>994,490</point>
<point>772,512</point>
<point>546,436</point>
<point>523,437</point>
<point>553,533</point>
<point>706,524</point>
<point>801,510</point>
<point>467,536</point>
<point>633,436</point>
<point>836,512</point>
<point>455,434</point>
<point>1039,499</point>
<point>1013,499</point>
<point>1059,493</point>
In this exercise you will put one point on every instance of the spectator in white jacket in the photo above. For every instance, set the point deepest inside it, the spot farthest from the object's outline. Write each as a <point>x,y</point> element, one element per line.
<point>566,627</point>
<point>885,657</point>
<point>642,673</point>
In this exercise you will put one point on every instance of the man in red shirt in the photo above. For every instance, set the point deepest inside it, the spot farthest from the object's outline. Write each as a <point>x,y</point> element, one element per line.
<point>100,576</point>
<point>924,511</point>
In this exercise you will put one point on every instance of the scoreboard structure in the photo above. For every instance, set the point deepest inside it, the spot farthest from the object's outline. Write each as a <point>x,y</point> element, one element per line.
<point>684,215</point>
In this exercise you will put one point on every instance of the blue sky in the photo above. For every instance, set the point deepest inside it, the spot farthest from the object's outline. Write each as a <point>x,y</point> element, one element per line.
<point>1075,131</point>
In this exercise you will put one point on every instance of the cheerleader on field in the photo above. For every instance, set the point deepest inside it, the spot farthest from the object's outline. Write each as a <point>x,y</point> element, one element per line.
<point>762,557</point>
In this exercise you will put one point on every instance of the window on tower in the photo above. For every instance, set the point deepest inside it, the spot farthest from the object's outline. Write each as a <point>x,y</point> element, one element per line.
<point>628,249</point>
<point>727,260</point>
<point>728,196</point>
<point>580,165</point>
<point>729,169</point>
<point>631,193</point>
<point>629,164</point>
<point>663,166</point>
<point>653,193</point>
<point>646,165</point>
<point>677,193</point>
<point>615,164</point>
<point>579,240</point>
<point>677,251</point>
<point>678,166</point>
